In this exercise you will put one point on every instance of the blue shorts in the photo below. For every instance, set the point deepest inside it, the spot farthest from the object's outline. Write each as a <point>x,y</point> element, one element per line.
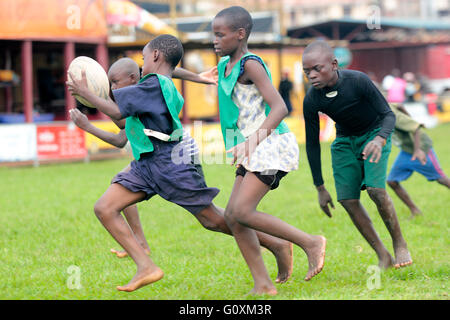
<point>156,173</point>
<point>403,167</point>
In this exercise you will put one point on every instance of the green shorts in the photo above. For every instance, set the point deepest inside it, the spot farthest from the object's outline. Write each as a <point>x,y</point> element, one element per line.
<point>351,173</point>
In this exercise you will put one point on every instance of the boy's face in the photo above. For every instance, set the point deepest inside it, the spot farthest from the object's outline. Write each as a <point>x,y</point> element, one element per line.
<point>120,79</point>
<point>225,39</point>
<point>319,68</point>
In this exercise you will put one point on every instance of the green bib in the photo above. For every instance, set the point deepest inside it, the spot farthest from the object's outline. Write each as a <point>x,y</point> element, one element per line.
<point>134,128</point>
<point>228,111</point>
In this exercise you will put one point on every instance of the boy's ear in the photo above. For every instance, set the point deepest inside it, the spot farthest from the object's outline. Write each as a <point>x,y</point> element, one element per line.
<point>335,64</point>
<point>241,33</point>
<point>134,79</point>
<point>156,54</point>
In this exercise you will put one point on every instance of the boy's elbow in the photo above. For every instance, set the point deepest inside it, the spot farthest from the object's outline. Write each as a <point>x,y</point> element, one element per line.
<point>284,110</point>
<point>116,115</point>
<point>121,144</point>
<point>119,124</point>
<point>118,143</point>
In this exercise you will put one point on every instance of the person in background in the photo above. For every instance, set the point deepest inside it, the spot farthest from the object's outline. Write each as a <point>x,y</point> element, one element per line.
<point>396,91</point>
<point>416,154</point>
<point>411,88</point>
<point>285,88</point>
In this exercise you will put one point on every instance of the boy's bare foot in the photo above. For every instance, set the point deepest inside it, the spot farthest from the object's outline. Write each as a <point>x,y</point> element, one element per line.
<point>316,258</point>
<point>142,278</point>
<point>285,262</point>
<point>415,213</point>
<point>123,253</point>
<point>402,257</point>
<point>386,261</point>
<point>272,291</point>
<point>119,254</point>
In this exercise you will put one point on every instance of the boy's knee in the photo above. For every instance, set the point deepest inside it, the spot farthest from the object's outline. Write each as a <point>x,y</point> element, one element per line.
<point>348,202</point>
<point>210,221</point>
<point>100,209</point>
<point>378,195</point>
<point>210,224</point>
<point>445,181</point>
<point>233,215</point>
<point>240,214</point>
<point>393,184</point>
<point>228,215</point>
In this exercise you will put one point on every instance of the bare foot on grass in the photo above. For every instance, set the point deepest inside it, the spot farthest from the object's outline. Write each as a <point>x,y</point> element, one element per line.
<point>415,213</point>
<point>402,257</point>
<point>316,258</point>
<point>123,253</point>
<point>386,261</point>
<point>271,291</point>
<point>142,278</point>
<point>285,262</point>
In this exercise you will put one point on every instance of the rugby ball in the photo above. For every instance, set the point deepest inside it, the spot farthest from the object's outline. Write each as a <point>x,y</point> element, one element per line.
<point>97,79</point>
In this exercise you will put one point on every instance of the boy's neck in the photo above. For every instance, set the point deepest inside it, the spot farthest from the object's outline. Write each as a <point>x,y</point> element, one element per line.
<point>333,81</point>
<point>163,70</point>
<point>166,74</point>
<point>239,53</point>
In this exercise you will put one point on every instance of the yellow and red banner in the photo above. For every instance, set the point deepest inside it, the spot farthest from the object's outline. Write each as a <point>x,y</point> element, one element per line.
<point>53,19</point>
<point>126,13</point>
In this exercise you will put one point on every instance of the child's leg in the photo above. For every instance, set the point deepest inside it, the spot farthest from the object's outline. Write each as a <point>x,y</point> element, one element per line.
<point>362,222</point>
<point>212,218</point>
<point>132,216</point>
<point>445,181</point>
<point>242,217</point>
<point>107,210</point>
<point>404,196</point>
<point>387,212</point>
<point>375,181</point>
<point>282,249</point>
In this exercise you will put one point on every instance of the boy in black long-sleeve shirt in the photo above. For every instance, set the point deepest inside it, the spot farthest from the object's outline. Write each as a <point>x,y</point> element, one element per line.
<point>364,123</point>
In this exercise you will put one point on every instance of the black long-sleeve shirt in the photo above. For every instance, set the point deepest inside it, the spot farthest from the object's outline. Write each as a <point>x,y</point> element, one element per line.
<point>354,103</point>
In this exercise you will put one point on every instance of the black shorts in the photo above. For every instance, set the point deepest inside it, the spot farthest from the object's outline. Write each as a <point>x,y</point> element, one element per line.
<point>155,173</point>
<point>272,180</point>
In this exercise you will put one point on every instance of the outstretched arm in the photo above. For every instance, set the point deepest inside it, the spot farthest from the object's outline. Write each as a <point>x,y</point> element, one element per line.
<point>207,77</point>
<point>118,140</point>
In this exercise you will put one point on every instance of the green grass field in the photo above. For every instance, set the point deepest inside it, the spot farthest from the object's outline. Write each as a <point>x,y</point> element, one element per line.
<point>49,230</point>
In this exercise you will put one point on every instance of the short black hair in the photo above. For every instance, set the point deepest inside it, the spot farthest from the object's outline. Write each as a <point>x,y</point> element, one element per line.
<point>170,46</point>
<point>319,46</point>
<point>237,17</point>
<point>125,64</point>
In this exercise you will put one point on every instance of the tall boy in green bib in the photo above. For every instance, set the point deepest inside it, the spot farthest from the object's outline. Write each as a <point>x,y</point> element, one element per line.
<point>251,114</point>
<point>228,111</point>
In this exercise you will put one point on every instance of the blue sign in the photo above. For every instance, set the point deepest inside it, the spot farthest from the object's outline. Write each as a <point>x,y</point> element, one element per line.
<point>343,56</point>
